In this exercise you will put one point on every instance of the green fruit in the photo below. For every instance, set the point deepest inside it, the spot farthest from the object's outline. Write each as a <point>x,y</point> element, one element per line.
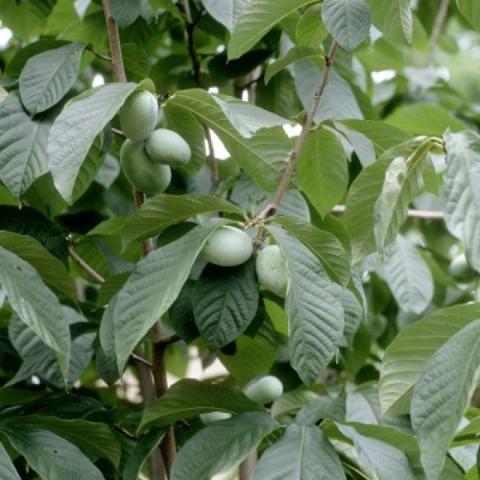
<point>228,247</point>
<point>212,417</point>
<point>459,268</point>
<point>143,174</point>
<point>139,115</point>
<point>264,390</point>
<point>168,147</point>
<point>272,270</point>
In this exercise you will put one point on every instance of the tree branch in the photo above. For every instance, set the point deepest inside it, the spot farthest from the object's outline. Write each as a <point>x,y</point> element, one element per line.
<point>158,468</point>
<point>85,266</point>
<point>437,30</point>
<point>296,150</point>
<point>412,213</point>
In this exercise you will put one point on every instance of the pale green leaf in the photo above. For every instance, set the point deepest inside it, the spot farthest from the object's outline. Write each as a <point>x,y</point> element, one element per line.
<point>226,12</point>
<point>48,76</point>
<point>407,355</point>
<point>303,453</point>
<point>348,21</point>
<point>470,9</point>
<point>74,130</point>
<point>442,394</point>
<point>311,30</point>
<point>393,18</point>
<point>221,445</point>
<point>257,19</point>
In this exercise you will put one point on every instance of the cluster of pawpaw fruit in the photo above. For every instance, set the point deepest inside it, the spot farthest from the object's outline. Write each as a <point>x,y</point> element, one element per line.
<point>148,154</point>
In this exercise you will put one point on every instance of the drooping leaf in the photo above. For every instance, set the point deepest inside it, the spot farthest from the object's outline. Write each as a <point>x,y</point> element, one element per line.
<point>407,355</point>
<point>323,170</point>
<point>188,398</point>
<point>257,19</point>
<point>51,269</point>
<point>7,469</point>
<point>227,12</point>
<point>314,311</point>
<point>310,29</point>
<point>51,456</point>
<point>151,289</point>
<point>23,147</point>
<point>221,445</point>
<point>442,394</point>
<point>74,130</point>
<point>163,210</point>
<point>225,302</point>
<point>460,194</point>
<point>36,306</point>
<point>303,453</point>
<point>48,76</point>
<point>347,20</point>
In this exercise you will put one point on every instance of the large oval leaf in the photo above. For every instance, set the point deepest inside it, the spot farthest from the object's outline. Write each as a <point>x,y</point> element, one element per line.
<point>7,469</point>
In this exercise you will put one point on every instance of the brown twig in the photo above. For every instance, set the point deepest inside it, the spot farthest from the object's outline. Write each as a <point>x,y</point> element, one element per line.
<point>140,359</point>
<point>118,132</point>
<point>296,150</point>
<point>437,30</point>
<point>412,213</point>
<point>157,466</point>
<point>85,266</point>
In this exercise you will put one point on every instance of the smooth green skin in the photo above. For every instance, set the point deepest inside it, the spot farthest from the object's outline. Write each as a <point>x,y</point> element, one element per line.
<point>139,115</point>
<point>228,247</point>
<point>264,390</point>
<point>459,268</point>
<point>272,270</point>
<point>211,417</point>
<point>168,147</point>
<point>145,175</point>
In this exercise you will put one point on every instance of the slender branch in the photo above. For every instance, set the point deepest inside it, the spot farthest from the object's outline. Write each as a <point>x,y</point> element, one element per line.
<point>412,213</point>
<point>296,150</point>
<point>85,266</point>
<point>158,468</point>
<point>140,359</point>
<point>118,132</point>
<point>99,55</point>
<point>437,30</point>
<point>212,161</point>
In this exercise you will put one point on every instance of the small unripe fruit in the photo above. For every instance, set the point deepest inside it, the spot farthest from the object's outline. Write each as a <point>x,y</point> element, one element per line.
<point>145,175</point>
<point>168,147</point>
<point>139,115</point>
<point>272,270</point>
<point>212,417</point>
<point>228,247</point>
<point>264,390</point>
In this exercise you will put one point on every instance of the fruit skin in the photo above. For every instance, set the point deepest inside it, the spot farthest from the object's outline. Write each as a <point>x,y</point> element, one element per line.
<point>264,390</point>
<point>139,115</point>
<point>228,247</point>
<point>168,147</point>
<point>212,417</point>
<point>272,270</point>
<point>145,175</point>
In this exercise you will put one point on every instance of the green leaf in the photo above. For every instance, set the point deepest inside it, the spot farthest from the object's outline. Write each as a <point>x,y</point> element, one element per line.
<point>51,456</point>
<point>48,76</point>
<point>408,276</point>
<point>470,9</point>
<point>442,394</point>
<point>323,170</point>
<point>295,54</point>
<point>163,210</point>
<point>425,119</point>
<point>303,453</point>
<point>226,13</point>
<point>221,445</point>
<point>36,306</point>
<point>263,157</point>
<point>125,12</point>
<point>292,401</point>
<point>7,469</point>
<point>189,398</point>
<point>407,355</point>
<point>403,183</point>
<point>23,147</point>
<point>146,296</point>
<point>94,438</point>
<point>394,19</point>
<point>354,314</point>
<point>74,130</point>
<point>146,444</point>
<point>311,30</point>
<point>323,244</point>
<point>348,21</point>
<point>460,194</point>
<point>225,302</point>
<point>257,19</point>
<point>51,269</point>
<point>314,311</point>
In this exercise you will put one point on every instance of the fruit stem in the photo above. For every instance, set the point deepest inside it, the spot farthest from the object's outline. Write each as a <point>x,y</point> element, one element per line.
<point>150,386</point>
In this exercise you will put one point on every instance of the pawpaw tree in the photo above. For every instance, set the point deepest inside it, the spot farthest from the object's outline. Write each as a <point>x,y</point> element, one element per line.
<point>239,239</point>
